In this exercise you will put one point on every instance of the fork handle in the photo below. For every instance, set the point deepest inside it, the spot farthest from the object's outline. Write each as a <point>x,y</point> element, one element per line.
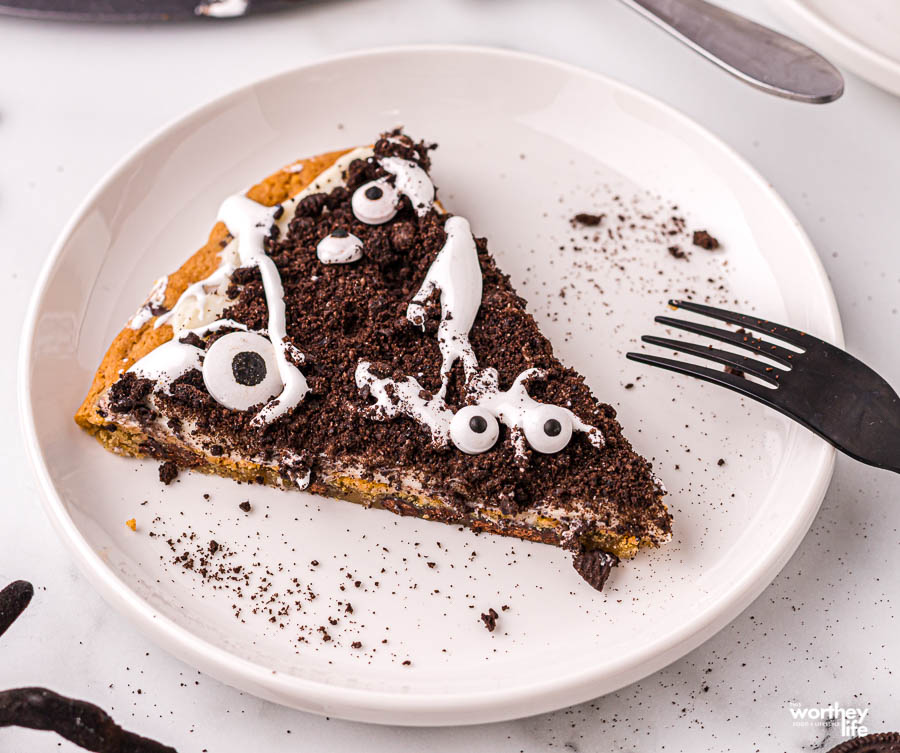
<point>753,53</point>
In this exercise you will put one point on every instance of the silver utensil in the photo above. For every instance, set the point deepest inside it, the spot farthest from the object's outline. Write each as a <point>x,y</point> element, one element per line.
<point>753,53</point>
<point>139,11</point>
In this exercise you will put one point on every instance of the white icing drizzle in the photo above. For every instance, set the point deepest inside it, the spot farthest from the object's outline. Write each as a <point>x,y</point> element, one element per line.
<point>339,249</point>
<point>456,274</point>
<point>250,223</point>
<point>293,466</point>
<point>406,397</point>
<point>165,363</point>
<point>199,307</point>
<point>512,406</point>
<point>203,301</point>
<point>154,301</point>
<point>412,181</point>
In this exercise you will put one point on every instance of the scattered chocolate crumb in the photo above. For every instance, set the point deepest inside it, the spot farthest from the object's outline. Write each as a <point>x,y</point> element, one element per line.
<point>677,252</point>
<point>132,524</point>
<point>490,619</point>
<point>407,663</point>
<point>594,566</point>
<point>591,220</point>
<point>168,472</point>
<point>721,461</point>
<point>629,386</point>
<point>245,506</point>
<point>213,546</point>
<point>356,644</point>
<point>704,240</point>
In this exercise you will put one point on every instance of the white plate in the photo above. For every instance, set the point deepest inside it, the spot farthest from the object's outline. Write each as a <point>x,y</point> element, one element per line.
<point>863,35</point>
<point>525,144</point>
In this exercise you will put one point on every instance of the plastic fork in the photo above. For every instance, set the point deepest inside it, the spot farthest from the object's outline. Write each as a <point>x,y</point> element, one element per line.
<point>818,385</point>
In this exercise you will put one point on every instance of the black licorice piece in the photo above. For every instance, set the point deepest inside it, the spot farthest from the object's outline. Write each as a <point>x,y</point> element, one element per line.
<point>13,600</point>
<point>82,723</point>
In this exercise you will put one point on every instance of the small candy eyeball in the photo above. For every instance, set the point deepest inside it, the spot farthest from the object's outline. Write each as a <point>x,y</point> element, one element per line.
<point>240,370</point>
<point>474,430</point>
<point>548,428</point>
<point>341,247</point>
<point>375,202</point>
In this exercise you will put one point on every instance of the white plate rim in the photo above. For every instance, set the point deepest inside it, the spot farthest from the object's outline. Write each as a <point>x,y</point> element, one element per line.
<point>389,707</point>
<point>872,65</point>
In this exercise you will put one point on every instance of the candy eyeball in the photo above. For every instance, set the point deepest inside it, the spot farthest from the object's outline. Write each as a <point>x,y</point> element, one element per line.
<point>375,202</point>
<point>341,247</point>
<point>240,370</point>
<point>473,430</point>
<point>548,428</point>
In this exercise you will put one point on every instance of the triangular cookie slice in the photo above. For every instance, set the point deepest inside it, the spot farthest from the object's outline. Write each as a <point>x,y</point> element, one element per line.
<point>341,332</point>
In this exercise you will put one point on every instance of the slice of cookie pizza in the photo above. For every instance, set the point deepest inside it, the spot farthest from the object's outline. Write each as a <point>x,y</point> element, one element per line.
<point>341,332</point>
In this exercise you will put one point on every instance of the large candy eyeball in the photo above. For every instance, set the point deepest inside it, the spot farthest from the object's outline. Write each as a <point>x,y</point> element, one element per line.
<point>473,430</point>
<point>376,202</point>
<point>548,428</point>
<point>240,370</point>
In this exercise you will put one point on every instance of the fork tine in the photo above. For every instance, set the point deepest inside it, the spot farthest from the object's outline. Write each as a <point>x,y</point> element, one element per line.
<point>789,335</point>
<point>758,369</point>
<point>764,395</point>
<point>746,341</point>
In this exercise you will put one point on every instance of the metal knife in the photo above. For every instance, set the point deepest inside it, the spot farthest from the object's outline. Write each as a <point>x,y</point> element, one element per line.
<point>753,53</point>
<point>139,10</point>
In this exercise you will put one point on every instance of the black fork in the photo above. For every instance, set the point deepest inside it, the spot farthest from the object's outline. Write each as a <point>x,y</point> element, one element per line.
<point>822,387</point>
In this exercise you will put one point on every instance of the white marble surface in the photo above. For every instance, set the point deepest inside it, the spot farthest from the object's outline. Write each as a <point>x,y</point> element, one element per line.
<point>74,99</point>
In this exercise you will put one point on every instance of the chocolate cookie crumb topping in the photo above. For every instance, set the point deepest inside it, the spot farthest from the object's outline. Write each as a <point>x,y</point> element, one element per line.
<point>245,506</point>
